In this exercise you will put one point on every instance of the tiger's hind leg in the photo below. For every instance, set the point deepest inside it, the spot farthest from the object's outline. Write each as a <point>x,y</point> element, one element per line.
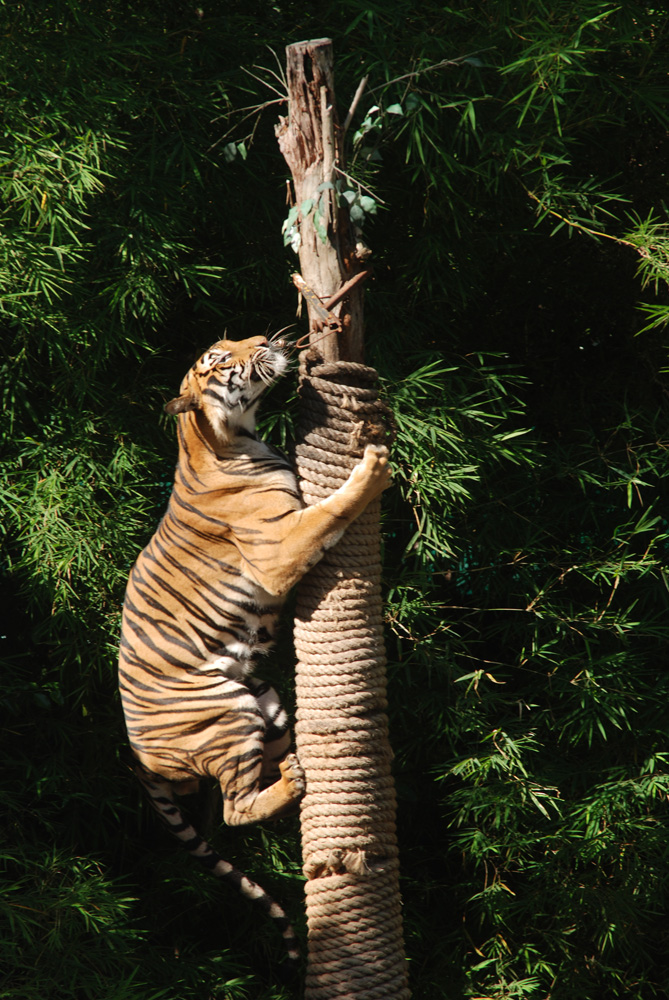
<point>160,792</point>
<point>277,737</point>
<point>248,803</point>
<point>237,754</point>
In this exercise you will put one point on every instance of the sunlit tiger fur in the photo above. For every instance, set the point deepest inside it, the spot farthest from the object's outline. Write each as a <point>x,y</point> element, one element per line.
<point>203,597</point>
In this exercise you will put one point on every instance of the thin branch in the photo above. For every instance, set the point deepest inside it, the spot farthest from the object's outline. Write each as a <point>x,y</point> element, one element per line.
<point>264,82</point>
<point>363,187</point>
<point>354,103</point>
<point>428,69</point>
<point>276,76</point>
<point>281,75</point>
<point>579,225</point>
<point>345,289</point>
<point>253,110</point>
<point>328,139</point>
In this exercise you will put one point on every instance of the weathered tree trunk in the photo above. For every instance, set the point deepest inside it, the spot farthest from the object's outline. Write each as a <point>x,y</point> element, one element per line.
<point>349,841</point>
<point>309,141</point>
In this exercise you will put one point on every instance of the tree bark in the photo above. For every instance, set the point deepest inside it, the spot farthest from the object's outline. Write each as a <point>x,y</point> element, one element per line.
<point>310,142</point>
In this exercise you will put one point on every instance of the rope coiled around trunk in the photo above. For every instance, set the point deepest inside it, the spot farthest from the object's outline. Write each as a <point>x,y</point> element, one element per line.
<point>349,842</point>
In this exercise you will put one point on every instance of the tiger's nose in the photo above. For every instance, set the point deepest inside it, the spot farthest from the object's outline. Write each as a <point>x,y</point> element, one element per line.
<point>260,341</point>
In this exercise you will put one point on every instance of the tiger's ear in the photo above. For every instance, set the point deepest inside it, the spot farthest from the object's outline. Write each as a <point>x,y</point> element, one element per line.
<point>182,404</point>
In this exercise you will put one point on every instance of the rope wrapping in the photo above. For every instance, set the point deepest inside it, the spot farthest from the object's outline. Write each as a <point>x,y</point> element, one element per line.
<point>349,842</point>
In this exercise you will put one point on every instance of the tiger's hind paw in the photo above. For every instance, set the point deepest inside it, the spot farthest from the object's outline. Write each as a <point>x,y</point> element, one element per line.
<point>293,776</point>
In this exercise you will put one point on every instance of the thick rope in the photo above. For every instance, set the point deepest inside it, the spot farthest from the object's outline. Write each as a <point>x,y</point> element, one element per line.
<point>349,842</point>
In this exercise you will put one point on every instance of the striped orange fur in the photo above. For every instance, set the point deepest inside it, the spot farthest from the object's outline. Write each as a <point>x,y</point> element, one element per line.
<point>203,598</point>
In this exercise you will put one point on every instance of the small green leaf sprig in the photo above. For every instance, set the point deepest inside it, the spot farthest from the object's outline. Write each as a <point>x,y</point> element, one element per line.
<point>359,204</point>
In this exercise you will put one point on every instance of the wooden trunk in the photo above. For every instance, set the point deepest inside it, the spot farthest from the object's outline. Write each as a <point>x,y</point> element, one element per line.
<point>310,142</point>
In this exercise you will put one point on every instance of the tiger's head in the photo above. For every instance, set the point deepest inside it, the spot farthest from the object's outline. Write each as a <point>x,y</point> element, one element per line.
<point>226,382</point>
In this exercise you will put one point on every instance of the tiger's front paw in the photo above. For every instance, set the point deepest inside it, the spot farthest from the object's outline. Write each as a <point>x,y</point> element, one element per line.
<point>293,776</point>
<point>375,470</point>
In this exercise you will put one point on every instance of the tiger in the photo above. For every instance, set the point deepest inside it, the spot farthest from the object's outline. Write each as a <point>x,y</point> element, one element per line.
<point>202,604</point>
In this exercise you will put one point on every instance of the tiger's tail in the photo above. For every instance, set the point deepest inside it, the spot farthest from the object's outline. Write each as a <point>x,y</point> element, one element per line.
<point>162,800</point>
